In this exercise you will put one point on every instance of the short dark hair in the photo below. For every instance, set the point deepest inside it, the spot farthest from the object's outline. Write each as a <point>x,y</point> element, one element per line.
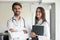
<point>16,3</point>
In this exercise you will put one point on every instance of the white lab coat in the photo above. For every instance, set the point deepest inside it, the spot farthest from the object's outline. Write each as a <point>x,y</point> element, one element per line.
<point>46,35</point>
<point>17,25</point>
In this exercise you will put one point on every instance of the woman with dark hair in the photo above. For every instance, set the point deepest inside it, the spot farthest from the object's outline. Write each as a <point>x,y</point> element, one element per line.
<point>41,20</point>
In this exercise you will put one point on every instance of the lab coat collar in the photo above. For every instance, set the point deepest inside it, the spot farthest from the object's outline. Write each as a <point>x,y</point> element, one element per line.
<point>14,18</point>
<point>40,22</point>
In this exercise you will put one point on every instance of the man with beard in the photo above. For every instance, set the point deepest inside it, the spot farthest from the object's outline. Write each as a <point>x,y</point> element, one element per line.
<point>17,26</point>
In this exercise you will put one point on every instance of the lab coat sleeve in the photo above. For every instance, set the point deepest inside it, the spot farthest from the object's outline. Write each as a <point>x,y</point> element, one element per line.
<point>9,25</point>
<point>11,34</point>
<point>46,35</point>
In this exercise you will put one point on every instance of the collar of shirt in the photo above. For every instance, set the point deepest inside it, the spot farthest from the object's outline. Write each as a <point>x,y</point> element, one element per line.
<point>39,22</point>
<point>16,21</point>
<point>14,18</point>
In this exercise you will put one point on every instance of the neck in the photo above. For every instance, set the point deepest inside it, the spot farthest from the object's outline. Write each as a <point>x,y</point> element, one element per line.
<point>18,17</point>
<point>39,18</point>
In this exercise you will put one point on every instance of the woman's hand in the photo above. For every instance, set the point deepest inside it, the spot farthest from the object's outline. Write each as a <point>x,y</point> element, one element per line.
<point>33,34</point>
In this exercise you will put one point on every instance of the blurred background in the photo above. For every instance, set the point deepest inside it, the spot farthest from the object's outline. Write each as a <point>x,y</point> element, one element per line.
<point>28,12</point>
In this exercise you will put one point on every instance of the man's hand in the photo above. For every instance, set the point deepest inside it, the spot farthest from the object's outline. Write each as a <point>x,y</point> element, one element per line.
<point>25,31</point>
<point>12,30</point>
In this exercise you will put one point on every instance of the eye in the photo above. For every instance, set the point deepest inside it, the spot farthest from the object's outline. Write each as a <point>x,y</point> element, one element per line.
<point>18,8</point>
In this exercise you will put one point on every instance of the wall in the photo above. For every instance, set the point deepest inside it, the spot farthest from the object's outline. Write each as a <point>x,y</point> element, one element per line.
<point>57,16</point>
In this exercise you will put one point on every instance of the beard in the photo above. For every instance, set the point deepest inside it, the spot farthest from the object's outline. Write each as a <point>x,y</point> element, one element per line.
<point>17,13</point>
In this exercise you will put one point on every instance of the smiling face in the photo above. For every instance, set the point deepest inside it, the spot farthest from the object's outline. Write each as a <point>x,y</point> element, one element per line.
<point>17,10</point>
<point>38,14</point>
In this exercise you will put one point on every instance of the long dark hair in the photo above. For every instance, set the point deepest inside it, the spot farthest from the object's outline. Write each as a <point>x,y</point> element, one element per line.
<point>43,15</point>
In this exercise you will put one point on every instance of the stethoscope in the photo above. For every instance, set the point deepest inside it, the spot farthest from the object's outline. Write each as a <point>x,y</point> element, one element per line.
<point>15,20</point>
